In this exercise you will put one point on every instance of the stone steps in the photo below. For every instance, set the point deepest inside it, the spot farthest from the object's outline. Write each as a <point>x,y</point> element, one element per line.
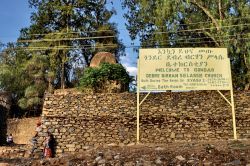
<point>15,151</point>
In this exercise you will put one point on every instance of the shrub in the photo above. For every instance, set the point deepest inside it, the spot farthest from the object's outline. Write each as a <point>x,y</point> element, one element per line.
<point>95,79</point>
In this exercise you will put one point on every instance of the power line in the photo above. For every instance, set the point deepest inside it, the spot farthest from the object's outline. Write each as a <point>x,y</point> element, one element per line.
<point>101,37</point>
<point>200,42</point>
<point>200,29</point>
<point>198,38</point>
<point>79,32</point>
<point>173,40</point>
<point>70,47</point>
<point>110,46</point>
<point>85,38</point>
<point>63,47</point>
<point>203,22</point>
<point>96,31</point>
<point>63,39</point>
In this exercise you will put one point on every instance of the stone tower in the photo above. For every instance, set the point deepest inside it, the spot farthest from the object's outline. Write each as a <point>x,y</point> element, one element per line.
<point>110,86</point>
<point>102,57</point>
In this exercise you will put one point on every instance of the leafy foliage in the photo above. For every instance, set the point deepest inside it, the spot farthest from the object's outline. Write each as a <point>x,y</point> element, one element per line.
<point>24,76</point>
<point>193,23</point>
<point>95,78</point>
<point>76,19</point>
<point>61,41</point>
<point>13,77</point>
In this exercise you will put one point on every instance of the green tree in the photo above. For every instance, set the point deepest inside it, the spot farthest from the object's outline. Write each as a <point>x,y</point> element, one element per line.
<point>74,30</point>
<point>195,23</point>
<point>58,56</point>
<point>36,69</point>
<point>12,74</point>
<point>24,75</point>
<point>62,39</point>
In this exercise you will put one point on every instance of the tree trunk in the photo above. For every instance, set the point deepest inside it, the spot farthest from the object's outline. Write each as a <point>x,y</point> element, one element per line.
<point>207,12</point>
<point>62,77</point>
<point>220,10</point>
<point>247,86</point>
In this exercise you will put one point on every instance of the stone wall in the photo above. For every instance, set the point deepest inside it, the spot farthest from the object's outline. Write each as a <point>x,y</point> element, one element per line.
<point>77,120</point>
<point>17,151</point>
<point>22,129</point>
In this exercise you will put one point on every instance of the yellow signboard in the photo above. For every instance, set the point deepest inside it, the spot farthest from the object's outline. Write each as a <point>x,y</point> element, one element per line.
<point>184,69</point>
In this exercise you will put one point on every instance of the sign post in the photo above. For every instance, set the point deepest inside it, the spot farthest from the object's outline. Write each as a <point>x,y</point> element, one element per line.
<point>164,69</point>
<point>232,105</point>
<point>138,106</point>
<point>233,114</point>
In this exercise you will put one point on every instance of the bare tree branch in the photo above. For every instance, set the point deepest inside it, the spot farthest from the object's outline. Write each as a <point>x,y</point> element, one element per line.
<point>206,11</point>
<point>221,17</point>
<point>211,37</point>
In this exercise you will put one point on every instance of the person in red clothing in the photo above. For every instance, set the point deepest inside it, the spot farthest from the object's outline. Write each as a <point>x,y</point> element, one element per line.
<point>48,146</point>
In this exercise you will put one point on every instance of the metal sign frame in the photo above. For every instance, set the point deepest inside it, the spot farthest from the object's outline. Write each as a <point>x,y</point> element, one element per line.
<point>231,103</point>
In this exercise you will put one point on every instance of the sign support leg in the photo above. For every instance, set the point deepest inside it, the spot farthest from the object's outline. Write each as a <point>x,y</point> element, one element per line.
<point>224,98</point>
<point>233,110</point>
<point>138,106</point>
<point>232,104</point>
<point>233,114</point>
<point>138,117</point>
<point>144,98</point>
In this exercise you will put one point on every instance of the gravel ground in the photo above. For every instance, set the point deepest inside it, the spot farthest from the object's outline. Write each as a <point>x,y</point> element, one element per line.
<point>228,153</point>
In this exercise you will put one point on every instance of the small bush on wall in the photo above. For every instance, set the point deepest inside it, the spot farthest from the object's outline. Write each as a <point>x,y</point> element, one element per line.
<point>107,78</point>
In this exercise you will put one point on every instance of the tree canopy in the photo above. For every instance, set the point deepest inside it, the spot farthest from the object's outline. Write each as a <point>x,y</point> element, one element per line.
<point>64,35</point>
<point>52,52</point>
<point>74,30</point>
<point>195,23</point>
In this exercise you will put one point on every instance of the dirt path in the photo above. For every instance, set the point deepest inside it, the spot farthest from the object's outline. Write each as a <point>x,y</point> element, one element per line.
<point>226,153</point>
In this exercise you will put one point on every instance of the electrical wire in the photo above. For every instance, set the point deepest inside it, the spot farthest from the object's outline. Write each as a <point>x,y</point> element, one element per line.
<point>111,46</point>
<point>200,42</point>
<point>63,47</point>
<point>199,38</point>
<point>73,47</point>
<point>201,29</point>
<point>79,32</point>
<point>97,31</point>
<point>210,22</point>
<point>101,37</point>
<point>174,40</point>
<point>169,41</point>
<point>64,39</point>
